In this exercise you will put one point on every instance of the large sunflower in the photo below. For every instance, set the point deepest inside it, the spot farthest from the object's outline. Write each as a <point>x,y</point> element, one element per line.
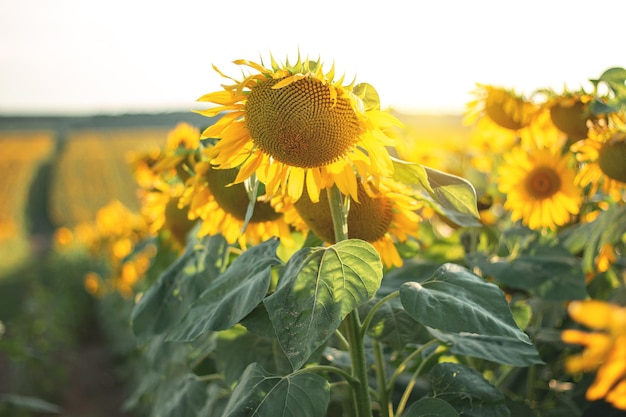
<point>297,127</point>
<point>221,206</point>
<point>382,216</point>
<point>539,187</point>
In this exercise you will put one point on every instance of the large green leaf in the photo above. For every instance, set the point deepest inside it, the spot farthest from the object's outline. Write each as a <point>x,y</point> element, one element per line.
<point>318,288</point>
<point>454,197</point>
<point>164,303</point>
<point>262,394</point>
<point>430,407</point>
<point>501,349</point>
<point>455,300</point>
<point>231,296</point>
<point>548,272</point>
<point>237,348</point>
<point>467,391</point>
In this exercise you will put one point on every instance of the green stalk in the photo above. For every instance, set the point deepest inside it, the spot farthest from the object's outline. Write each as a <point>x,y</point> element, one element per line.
<point>381,378</point>
<point>352,322</point>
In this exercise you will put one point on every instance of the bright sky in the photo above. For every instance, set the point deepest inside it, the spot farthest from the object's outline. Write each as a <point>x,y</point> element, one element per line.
<point>113,56</point>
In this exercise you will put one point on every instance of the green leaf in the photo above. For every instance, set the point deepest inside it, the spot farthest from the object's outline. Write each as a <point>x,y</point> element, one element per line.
<point>467,391</point>
<point>262,394</point>
<point>615,78</point>
<point>608,227</point>
<point>368,94</point>
<point>318,288</point>
<point>231,296</point>
<point>185,397</point>
<point>392,325</point>
<point>453,197</point>
<point>548,272</point>
<point>238,348</point>
<point>455,300</point>
<point>34,404</point>
<point>430,407</point>
<point>163,304</point>
<point>500,349</point>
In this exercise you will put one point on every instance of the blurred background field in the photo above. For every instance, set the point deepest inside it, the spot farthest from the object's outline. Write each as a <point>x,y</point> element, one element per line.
<point>57,172</point>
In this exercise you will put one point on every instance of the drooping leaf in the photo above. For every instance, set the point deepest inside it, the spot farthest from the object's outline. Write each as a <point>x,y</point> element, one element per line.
<point>259,393</point>
<point>164,303</point>
<point>467,391</point>
<point>318,288</point>
<point>552,274</point>
<point>231,296</point>
<point>453,197</point>
<point>455,300</point>
<point>237,348</point>
<point>500,349</point>
<point>430,407</point>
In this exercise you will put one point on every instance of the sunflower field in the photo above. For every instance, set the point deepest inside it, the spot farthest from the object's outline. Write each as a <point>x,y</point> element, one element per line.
<point>310,253</point>
<point>22,153</point>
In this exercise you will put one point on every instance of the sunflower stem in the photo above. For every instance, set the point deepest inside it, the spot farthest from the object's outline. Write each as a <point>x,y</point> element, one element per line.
<point>352,322</point>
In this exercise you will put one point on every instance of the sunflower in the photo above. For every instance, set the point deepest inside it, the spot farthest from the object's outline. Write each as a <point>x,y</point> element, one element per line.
<point>160,207</point>
<point>504,108</point>
<point>381,216</point>
<point>539,187</point>
<point>602,156</point>
<point>221,205</point>
<point>297,127</point>
<point>181,146</point>
<point>570,112</point>
<point>604,349</point>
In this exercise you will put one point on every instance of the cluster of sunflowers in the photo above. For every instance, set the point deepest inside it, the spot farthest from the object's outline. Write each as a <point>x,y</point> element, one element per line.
<point>284,135</point>
<point>118,237</point>
<point>557,163</point>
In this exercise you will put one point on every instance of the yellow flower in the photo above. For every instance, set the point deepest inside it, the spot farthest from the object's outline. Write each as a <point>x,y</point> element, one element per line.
<point>160,206</point>
<point>297,127</point>
<point>604,349</point>
<point>182,143</point>
<point>602,161</point>
<point>539,187</point>
<point>504,108</point>
<point>382,216</point>
<point>221,206</point>
<point>569,112</point>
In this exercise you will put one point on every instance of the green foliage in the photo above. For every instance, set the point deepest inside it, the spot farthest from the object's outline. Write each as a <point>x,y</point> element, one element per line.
<point>467,391</point>
<point>318,288</point>
<point>452,196</point>
<point>232,295</point>
<point>430,407</point>
<point>550,272</point>
<point>178,287</point>
<point>261,394</point>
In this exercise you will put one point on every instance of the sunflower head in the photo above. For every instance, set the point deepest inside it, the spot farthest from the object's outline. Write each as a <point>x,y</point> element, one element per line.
<point>569,113</point>
<point>301,124</point>
<point>612,157</point>
<point>380,216</point>
<point>539,187</point>
<point>296,126</point>
<point>503,107</point>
